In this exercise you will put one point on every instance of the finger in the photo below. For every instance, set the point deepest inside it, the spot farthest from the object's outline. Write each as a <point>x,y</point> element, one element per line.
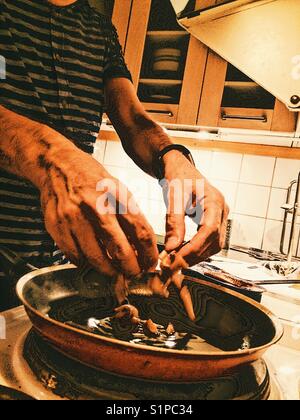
<point>89,246</point>
<point>186,298</point>
<point>175,231</point>
<point>141,235</point>
<point>175,220</point>
<point>72,233</point>
<point>131,233</point>
<point>120,250</point>
<point>56,222</point>
<point>108,230</point>
<point>136,229</point>
<point>158,287</point>
<point>63,239</point>
<point>60,234</point>
<point>207,240</point>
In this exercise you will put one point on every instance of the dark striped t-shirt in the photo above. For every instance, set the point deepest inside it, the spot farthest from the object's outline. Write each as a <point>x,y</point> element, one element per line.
<point>57,62</point>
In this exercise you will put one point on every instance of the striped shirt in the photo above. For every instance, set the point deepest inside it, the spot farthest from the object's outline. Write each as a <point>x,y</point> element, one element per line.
<point>57,62</point>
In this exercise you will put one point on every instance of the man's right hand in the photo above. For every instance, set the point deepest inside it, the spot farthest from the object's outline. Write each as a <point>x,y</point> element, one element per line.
<point>67,179</point>
<point>109,242</point>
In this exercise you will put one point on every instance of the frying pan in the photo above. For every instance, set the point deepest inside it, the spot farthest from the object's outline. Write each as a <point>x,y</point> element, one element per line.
<point>233,329</point>
<point>230,329</point>
<point>9,394</point>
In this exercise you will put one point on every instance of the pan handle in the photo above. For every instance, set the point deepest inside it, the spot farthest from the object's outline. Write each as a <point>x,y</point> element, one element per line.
<point>12,264</point>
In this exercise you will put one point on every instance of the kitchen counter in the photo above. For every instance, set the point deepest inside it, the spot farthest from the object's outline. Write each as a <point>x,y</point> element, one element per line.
<point>282,300</point>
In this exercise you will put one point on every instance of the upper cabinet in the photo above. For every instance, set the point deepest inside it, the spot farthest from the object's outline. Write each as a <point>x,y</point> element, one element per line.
<point>167,65</point>
<point>180,81</point>
<point>118,11</point>
<point>231,99</point>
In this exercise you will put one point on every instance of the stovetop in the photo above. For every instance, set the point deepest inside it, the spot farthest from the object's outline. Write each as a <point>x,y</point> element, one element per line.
<point>28,364</point>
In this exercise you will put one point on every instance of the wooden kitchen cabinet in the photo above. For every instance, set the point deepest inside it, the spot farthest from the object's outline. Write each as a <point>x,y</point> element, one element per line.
<point>230,99</point>
<point>120,14</point>
<point>166,63</point>
<point>180,81</point>
<point>118,11</point>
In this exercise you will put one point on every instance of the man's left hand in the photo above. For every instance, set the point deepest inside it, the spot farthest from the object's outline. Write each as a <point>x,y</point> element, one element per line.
<point>188,193</point>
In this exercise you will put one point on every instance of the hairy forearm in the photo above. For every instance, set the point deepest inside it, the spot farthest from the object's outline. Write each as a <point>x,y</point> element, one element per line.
<point>141,137</point>
<point>143,140</point>
<point>27,148</point>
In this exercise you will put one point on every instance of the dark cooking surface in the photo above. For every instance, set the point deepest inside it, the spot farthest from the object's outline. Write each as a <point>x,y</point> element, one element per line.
<point>9,394</point>
<point>241,328</point>
<point>69,379</point>
<point>222,321</point>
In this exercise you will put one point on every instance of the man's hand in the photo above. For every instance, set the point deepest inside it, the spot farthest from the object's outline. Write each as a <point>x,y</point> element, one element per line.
<point>189,193</point>
<point>85,231</point>
<point>143,139</point>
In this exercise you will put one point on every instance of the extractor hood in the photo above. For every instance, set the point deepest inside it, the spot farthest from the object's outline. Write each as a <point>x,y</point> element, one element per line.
<point>259,37</point>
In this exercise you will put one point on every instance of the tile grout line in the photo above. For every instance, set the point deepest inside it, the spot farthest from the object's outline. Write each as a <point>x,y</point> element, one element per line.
<point>239,182</point>
<point>269,203</point>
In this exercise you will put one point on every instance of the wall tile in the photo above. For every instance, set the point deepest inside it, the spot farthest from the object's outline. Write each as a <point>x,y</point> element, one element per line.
<point>131,165</point>
<point>99,150</point>
<point>115,155</point>
<point>297,238</point>
<point>252,200</point>
<point>286,170</point>
<point>117,172</point>
<point>191,229</point>
<point>272,236</point>
<point>257,170</point>
<point>277,199</point>
<point>229,190</point>
<point>203,161</point>
<point>155,213</point>
<point>138,186</point>
<point>154,189</point>
<point>247,231</point>
<point>226,166</point>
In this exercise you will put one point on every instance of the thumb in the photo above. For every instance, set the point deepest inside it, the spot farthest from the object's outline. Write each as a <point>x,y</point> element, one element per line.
<point>175,230</point>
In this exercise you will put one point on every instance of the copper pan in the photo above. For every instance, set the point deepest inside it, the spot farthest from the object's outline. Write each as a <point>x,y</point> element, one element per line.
<point>224,318</point>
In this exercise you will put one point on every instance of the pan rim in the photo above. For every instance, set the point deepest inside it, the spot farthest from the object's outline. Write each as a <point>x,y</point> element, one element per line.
<point>278,326</point>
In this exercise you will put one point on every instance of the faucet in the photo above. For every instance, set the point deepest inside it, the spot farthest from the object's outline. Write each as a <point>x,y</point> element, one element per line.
<point>294,209</point>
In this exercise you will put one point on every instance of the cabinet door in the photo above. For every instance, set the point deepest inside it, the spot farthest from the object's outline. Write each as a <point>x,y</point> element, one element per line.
<point>230,99</point>
<point>167,65</point>
<point>120,13</point>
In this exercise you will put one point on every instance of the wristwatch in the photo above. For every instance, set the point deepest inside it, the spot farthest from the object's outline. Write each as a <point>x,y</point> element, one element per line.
<point>158,164</point>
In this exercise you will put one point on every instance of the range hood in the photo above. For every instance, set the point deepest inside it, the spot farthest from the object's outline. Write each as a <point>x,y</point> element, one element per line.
<point>259,37</point>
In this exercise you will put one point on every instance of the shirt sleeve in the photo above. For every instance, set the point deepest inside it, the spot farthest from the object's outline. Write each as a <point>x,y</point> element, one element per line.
<point>114,65</point>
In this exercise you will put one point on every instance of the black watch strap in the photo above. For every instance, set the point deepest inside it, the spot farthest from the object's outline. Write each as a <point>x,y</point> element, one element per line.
<point>158,164</point>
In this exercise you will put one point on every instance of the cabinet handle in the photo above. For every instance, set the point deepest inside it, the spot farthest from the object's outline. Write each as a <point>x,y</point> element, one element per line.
<point>156,111</point>
<point>263,118</point>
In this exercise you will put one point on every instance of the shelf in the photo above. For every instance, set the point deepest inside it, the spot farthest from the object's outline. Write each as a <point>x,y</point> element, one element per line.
<point>168,34</point>
<point>242,85</point>
<point>162,82</point>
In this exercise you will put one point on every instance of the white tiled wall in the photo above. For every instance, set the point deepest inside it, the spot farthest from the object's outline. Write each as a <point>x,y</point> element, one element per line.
<point>255,188</point>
